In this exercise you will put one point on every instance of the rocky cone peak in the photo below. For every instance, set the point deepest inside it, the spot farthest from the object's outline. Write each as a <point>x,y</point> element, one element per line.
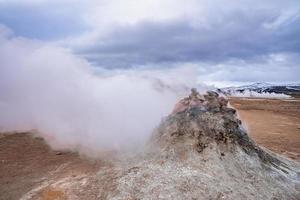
<point>201,121</point>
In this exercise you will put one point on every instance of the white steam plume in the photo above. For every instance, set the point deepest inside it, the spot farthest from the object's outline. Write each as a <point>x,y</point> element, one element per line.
<point>254,94</point>
<point>45,87</point>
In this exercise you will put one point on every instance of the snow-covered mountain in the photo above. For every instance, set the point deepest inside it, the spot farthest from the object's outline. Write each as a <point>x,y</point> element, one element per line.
<point>292,89</point>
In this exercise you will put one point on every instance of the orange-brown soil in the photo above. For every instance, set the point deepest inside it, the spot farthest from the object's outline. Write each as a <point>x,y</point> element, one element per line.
<point>26,161</point>
<point>274,124</point>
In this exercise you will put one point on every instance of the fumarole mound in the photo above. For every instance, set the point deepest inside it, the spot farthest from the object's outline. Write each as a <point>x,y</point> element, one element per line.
<point>200,151</point>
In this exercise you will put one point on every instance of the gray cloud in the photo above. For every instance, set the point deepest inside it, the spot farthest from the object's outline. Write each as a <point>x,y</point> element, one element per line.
<point>45,21</point>
<point>236,35</point>
<point>248,40</point>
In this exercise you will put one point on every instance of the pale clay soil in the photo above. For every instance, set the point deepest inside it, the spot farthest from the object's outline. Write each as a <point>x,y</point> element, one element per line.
<point>26,161</point>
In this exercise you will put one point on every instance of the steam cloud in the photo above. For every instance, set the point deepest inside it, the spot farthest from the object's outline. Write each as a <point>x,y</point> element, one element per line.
<point>47,88</point>
<point>270,95</point>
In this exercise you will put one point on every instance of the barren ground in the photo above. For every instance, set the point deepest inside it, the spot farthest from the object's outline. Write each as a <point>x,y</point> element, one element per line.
<point>274,124</point>
<point>26,161</point>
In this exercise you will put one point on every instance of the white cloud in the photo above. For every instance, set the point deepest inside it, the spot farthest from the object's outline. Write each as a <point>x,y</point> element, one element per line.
<point>272,68</point>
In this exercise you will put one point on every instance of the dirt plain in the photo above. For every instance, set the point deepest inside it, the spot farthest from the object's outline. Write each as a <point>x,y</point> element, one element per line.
<point>26,161</point>
<point>272,123</point>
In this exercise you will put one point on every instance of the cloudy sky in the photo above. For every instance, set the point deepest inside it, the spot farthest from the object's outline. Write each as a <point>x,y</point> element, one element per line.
<point>228,42</point>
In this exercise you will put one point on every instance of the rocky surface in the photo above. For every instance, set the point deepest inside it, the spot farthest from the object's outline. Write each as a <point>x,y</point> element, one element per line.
<point>200,151</point>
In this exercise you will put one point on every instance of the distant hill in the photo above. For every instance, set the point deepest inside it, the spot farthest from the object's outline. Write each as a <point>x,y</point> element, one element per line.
<point>292,89</point>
